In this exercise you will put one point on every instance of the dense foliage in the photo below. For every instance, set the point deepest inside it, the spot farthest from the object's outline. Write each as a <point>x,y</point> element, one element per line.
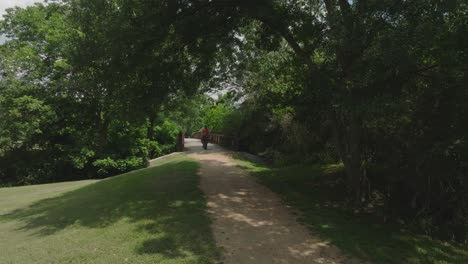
<point>63,114</point>
<point>97,87</point>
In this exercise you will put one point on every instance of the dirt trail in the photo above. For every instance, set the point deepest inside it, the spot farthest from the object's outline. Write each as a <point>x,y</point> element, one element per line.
<point>250,223</point>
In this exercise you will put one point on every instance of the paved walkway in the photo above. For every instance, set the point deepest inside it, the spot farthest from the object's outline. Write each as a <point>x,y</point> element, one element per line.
<point>250,222</point>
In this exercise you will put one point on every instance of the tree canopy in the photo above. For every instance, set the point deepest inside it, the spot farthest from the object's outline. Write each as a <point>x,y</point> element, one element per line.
<point>98,87</point>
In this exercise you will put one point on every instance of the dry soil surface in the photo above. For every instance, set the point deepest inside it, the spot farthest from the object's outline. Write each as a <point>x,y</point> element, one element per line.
<point>250,222</point>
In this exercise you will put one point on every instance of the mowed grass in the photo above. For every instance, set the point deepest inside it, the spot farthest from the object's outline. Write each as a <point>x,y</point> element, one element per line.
<point>317,192</point>
<point>153,215</point>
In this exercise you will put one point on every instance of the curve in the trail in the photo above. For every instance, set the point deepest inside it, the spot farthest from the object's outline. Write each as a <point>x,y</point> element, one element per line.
<point>250,222</point>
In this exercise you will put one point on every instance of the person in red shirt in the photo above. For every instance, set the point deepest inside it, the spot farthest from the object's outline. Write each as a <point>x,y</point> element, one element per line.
<point>204,136</point>
<point>205,131</point>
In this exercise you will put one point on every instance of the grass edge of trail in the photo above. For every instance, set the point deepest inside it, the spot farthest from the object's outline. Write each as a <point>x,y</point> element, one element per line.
<point>151,215</point>
<point>303,188</point>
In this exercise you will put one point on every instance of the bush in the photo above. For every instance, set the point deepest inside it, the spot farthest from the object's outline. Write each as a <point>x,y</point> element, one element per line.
<point>108,166</point>
<point>166,135</point>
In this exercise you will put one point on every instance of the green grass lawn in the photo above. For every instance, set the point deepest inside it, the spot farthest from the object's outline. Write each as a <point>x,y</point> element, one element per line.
<point>153,215</point>
<point>315,191</point>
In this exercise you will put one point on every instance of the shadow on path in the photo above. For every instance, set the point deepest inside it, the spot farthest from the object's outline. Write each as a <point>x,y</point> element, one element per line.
<point>319,193</point>
<point>250,222</point>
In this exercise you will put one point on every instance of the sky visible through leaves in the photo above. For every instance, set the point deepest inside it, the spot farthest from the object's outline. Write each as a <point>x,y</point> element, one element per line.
<point>4,4</point>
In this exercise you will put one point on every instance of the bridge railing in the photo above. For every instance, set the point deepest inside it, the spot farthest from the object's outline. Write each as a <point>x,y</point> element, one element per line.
<point>218,138</point>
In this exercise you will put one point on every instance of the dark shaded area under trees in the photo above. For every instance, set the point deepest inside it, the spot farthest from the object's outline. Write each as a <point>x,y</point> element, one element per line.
<point>97,87</point>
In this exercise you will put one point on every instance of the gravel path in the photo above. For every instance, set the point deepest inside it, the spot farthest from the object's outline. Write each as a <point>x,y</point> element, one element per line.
<point>250,222</point>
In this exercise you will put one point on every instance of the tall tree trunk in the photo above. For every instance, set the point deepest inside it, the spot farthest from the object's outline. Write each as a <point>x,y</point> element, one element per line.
<point>102,127</point>
<point>348,136</point>
<point>150,133</point>
<point>103,132</point>
<point>347,124</point>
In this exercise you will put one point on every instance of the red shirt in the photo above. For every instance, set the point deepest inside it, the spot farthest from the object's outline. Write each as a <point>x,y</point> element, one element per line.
<point>204,131</point>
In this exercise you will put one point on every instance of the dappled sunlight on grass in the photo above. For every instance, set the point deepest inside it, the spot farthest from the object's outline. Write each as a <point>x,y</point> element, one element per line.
<point>155,214</point>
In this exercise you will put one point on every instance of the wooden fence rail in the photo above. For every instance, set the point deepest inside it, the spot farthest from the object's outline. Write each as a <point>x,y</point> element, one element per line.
<point>218,138</point>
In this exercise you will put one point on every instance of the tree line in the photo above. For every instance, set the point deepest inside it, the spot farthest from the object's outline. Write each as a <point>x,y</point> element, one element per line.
<point>90,87</point>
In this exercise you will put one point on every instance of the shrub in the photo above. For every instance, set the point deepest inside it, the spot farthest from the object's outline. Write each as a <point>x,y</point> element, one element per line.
<point>109,166</point>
